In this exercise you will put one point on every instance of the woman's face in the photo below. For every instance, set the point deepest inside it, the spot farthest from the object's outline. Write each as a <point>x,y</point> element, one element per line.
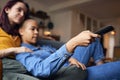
<point>16,13</point>
<point>29,31</point>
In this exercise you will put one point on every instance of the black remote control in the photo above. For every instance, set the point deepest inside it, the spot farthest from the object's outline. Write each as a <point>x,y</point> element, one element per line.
<point>104,30</point>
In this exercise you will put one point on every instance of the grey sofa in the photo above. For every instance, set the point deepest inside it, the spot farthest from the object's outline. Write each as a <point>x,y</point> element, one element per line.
<point>56,44</point>
<point>7,74</point>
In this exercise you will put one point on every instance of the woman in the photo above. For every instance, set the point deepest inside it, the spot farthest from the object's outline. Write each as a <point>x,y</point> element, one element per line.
<point>12,15</point>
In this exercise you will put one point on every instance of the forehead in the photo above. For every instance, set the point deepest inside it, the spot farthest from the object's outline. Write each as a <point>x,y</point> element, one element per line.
<point>21,5</point>
<point>31,23</point>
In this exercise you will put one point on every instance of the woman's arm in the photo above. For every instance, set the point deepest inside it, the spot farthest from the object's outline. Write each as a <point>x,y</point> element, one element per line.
<point>13,50</point>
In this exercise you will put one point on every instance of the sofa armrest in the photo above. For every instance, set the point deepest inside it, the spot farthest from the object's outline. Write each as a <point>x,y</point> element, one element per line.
<point>1,69</point>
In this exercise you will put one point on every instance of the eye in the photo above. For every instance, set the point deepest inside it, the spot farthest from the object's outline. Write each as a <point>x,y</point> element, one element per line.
<point>19,9</point>
<point>32,29</point>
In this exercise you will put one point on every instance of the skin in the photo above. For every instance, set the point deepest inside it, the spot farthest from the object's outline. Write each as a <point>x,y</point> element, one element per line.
<point>16,14</point>
<point>30,27</point>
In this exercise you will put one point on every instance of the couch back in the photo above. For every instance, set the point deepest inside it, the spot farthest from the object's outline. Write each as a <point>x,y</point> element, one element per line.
<point>56,44</point>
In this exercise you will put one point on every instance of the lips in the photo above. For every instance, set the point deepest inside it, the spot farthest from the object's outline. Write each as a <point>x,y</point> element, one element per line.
<point>20,18</point>
<point>35,37</point>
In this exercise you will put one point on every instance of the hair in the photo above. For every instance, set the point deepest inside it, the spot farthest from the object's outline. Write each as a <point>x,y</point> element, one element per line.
<point>4,22</point>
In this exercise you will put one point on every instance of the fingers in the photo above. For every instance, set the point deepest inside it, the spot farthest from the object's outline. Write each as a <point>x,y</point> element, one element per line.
<point>92,37</point>
<point>24,49</point>
<point>27,50</point>
<point>79,65</point>
<point>92,34</point>
<point>82,66</point>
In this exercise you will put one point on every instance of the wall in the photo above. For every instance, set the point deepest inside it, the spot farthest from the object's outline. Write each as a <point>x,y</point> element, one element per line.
<point>2,3</point>
<point>67,23</point>
<point>77,25</point>
<point>36,5</point>
<point>62,24</point>
<point>32,4</point>
<point>116,24</point>
<point>111,41</point>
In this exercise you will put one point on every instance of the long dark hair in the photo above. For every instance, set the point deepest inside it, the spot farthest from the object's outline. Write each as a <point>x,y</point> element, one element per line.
<point>4,22</point>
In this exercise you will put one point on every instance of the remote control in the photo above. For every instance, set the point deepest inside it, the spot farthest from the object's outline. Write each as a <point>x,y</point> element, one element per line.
<point>104,30</point>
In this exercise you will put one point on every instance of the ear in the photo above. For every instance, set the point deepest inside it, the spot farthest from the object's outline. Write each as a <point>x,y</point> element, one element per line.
<point>21,31</point>
<point>7,10</point>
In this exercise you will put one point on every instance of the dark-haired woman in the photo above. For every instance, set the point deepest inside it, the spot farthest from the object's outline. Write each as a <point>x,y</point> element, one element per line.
<point>11,16</point>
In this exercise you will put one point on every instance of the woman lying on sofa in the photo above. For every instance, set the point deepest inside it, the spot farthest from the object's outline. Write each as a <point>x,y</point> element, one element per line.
<point>46,61</point>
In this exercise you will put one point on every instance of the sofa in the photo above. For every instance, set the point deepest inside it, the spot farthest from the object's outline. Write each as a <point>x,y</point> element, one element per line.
<point>56,44</point>
<point>10,73</point>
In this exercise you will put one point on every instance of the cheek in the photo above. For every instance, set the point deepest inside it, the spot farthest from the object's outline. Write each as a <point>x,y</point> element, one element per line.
<point>11,13</point>
<point>12,17</point>
<point>27,34</point>
<point>27,39</point>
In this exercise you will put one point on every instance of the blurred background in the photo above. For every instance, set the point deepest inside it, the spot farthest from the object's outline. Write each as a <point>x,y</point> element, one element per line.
<point>62,19</point>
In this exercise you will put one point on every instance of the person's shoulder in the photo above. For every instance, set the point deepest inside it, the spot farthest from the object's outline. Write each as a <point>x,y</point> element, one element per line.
<point>30,46</point>
<point>2,32</point>
<point>1,29</point>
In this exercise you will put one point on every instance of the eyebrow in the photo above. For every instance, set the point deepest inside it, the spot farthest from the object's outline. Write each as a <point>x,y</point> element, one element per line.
<point>34,26</point>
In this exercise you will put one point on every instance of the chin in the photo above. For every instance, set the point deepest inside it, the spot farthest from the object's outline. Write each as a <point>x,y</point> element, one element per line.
<point>34,42</point>
<point>18,22</point>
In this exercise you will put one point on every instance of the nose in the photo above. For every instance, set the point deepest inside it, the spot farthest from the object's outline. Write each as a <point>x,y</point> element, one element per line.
<point>22,13</point>
<point>36,31</point>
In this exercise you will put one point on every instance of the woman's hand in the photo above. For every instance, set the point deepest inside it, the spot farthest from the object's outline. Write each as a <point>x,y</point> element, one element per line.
<point>21,49</point>
<point>73,61</point>
<point>13,50</point>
